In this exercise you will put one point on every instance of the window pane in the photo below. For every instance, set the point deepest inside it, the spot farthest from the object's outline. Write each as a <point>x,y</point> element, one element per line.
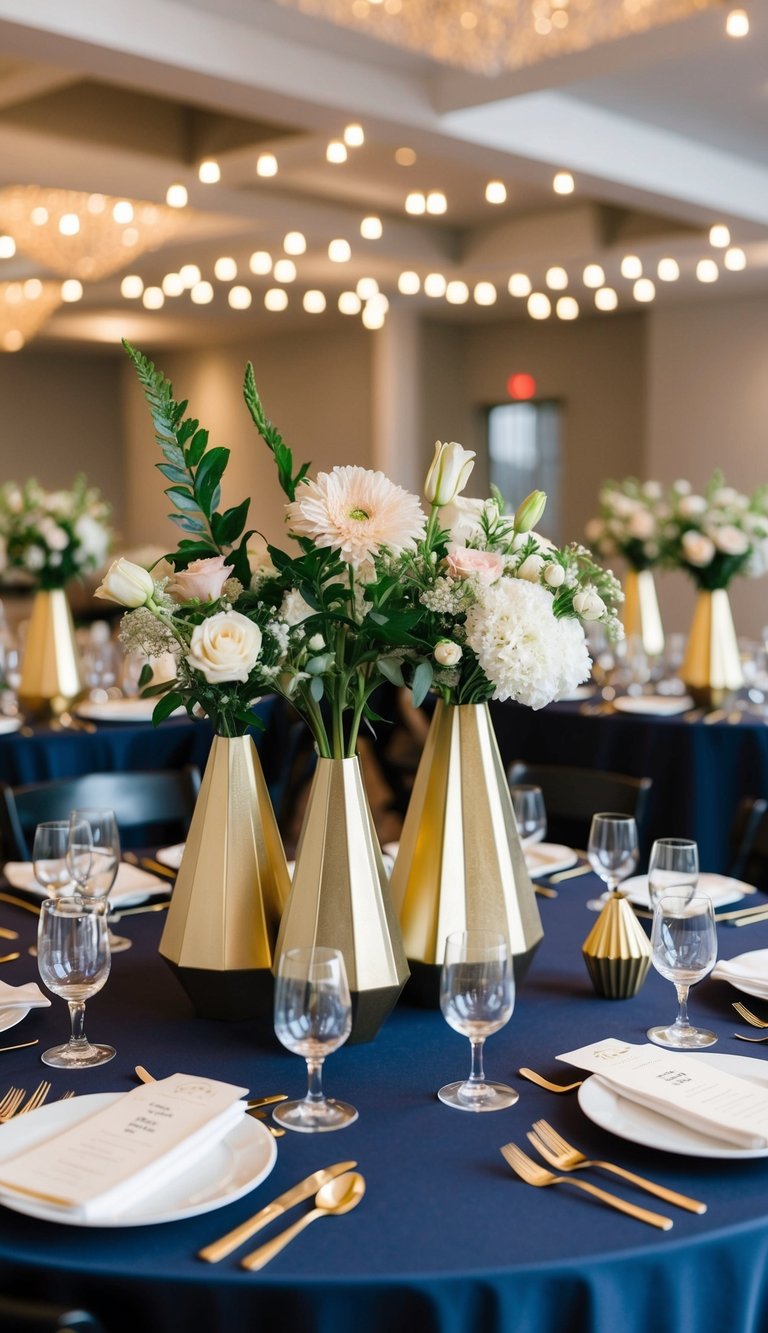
<point>524,456</point>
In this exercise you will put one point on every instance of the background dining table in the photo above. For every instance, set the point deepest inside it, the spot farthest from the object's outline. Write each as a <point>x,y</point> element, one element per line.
<point>447,1239</point>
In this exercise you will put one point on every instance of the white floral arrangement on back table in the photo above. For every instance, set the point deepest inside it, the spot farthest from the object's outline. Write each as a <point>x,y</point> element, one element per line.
<point>632,522</point>
<point>48,538</point>
<point>719,534</point>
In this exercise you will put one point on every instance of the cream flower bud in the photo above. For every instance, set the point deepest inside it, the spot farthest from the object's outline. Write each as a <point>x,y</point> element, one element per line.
<point>531,568</point>
<point>225,647</point>
<point>588,604</point>
<point>447,653</point>
<point>127,584</point>
<point>554,575</point>
<point>530,511</point>
<point>448,473</point>
<point>698,549</point>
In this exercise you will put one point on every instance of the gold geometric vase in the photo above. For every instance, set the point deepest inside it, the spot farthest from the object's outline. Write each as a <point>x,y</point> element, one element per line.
<point>640,614</point>
<point>712,665</point>
<point>617,951</point>
<point>460,865</point>
<point>221,927</point>
<point>340,896</point>
<point>51,676</point>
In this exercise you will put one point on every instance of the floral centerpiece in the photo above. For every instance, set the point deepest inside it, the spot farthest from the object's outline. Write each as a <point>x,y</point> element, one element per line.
<point>632,522</point>
<point>48,538</point>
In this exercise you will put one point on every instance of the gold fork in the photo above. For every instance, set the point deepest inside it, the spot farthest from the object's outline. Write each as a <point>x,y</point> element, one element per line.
<point>533,1174</point>
<point>11,1103</point>
<point>543,1082</point>
<point>559,1153</point>
<point>37,1098</point>
<point>748,1016</point>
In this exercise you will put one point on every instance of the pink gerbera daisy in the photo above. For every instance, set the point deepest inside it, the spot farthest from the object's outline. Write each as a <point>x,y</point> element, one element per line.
<point>357,512</point>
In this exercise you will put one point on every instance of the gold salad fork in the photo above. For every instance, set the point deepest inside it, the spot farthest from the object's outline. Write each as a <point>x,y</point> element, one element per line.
<point>543,1082</point>
<point>10,1103</point>
<point>559,1153</point>
<point>37,1098</point>
<point>533,1174</point>
<point>748,1016</point>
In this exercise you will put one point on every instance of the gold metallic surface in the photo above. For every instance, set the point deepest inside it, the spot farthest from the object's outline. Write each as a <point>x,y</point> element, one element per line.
<point>233,879</point>
<point>460,865</point>
<point>712,666</point>
<point>340,896</point>
<point>640,614</point>
<point>51,675</point>
<point>617,951</point>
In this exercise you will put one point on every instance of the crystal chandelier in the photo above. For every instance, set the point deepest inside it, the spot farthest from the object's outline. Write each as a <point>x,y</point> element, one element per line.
<point>490,36</point>
<point>24,308</point>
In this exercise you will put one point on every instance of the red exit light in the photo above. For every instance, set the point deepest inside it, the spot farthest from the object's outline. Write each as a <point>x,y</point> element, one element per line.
<point>521,385</point>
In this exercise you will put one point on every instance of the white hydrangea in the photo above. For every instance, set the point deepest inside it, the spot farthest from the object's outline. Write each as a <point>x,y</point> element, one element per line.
<point>526,652</point>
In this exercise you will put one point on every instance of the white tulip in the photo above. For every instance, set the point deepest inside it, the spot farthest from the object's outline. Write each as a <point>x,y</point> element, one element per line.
<point>225,647</point>
<point>127,584</point>
<point>448,473</point>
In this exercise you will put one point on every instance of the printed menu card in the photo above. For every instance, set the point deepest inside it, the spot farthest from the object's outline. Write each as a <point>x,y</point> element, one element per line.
<point>681,1087</point>
<point>107,1161</point>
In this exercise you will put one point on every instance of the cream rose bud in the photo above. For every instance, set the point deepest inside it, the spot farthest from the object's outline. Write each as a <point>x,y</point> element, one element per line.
<point>447,653</point>
<point>225,647</point>
<point>554,575</point>
<point>531,568</point>
<point>652,489</point>
<point>127,584</point>
<point>697,549</point>
<point>448,473</point>
<point>731,540</point>
<point>464,562</point>
<point>588,604</point>
<point>202,580</point>
<point>641,525</point>
<point>316,643</point>
<point>692,505</point>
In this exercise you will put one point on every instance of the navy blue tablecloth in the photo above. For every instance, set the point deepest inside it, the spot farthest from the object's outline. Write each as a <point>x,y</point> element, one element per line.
<point>700,772</point>
<point>446,1240</point>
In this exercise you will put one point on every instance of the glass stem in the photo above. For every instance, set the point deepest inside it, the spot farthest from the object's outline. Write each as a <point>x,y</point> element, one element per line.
<point>315,1081</point>
<point>477,1073</point>
<point>682,1006</point>
<point>77,1020</point>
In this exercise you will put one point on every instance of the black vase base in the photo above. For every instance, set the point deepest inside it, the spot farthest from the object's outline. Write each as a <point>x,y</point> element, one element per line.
<point>229,995</point>
<point>422,990</point>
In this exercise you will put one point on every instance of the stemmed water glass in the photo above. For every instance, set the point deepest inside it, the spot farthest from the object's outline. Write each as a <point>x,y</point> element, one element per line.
<point>313,1017</point>
<point>49,856</point>
<point>673,867</point>
<point>684,950</point>
<point>94,859</point>
<point>73,960</point>
<point>612,850</point>
<point>530,814</point>
<point>477,996</point>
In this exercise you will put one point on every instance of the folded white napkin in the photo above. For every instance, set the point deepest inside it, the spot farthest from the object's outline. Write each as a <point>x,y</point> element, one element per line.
<point>171,856</point>
<point>131,884</point>
<point>751,968</point>
<point>28,996</point>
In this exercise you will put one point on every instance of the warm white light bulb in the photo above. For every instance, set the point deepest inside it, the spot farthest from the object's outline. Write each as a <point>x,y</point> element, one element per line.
<point>173,284</point>
<point>260,262</point>
<point>457,292</point>
<point>737,23</point>
<point>434,285</point>
<point>631,267</point>
<point>225,269</point>
<point>349,303</point>
<point>519,285</point>
<point>668,270</point>
<point>33,289</point>
<point>123,212</point>
<point>189,274</point>
<point>484,293</point>
<point>496,192</point>
<point>336,152</point>
<point>567,308</point>
<point>409,283</point>
<point>131,286</point>
<point>266,164</point>
<point>606,298</point>
<point>284,271</point>
<point>735,259</point>
<point>593,276</point>
<point>415,203</point>
<point>295,243</point>
<point>556,278</point>
<point>69,224</point>
<point>176,196</point>
<point>563,183</point>
<point>719,236</point>
<point>366,288</point>
<point>339,251</point>
<point>239,298</point>
<point>707,270</point>
<point>539,305</point>
<point>644,290</point>
<point>436,202</point>
<point>7,247</point>
<point>71,290</point>
<point>371,229</point>
<point>354,136</point>
<point>153,298</point>
<point>314,302</point>
<point>209,172</point>
<point>201,293</point>
<point>275,299</point>
<point>373,317</point>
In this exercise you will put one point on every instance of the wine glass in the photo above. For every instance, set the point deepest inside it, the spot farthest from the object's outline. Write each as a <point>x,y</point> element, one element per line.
<point>49,856</point>
<point>97,829</point>
<point>684,949</point>
<point>530,814</point>
<point>673,867</point>
<point>313,1016</point>
<point>73,960</point>
<point>477,996</point>
<point>612,850</point>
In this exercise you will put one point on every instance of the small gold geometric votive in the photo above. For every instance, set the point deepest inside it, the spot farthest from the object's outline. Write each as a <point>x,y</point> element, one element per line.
<point>617,950</point>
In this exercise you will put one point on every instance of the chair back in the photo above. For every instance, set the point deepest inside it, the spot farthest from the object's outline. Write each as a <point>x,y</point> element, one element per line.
<point>749,842</point>
<point>573,795</point>
<point>150,808</point>
<point>23,1316</point>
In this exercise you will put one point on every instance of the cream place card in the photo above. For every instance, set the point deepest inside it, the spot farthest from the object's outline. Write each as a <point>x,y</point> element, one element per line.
<point>681,1087</point>
<point>102,1164</point>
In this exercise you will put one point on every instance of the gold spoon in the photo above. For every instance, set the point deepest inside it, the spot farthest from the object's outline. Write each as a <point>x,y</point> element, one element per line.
<point>533,1077</point>
<point>332,1199</point>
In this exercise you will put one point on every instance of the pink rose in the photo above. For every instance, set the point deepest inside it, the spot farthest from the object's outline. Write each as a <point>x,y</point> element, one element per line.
<point>465,563</point>
<point>202,579</point>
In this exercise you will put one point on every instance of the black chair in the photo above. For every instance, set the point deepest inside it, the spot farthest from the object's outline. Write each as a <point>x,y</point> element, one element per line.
<point>749,842</point>
<point>151,808</point>
<point>573,795</point>
<point>22,1316</point>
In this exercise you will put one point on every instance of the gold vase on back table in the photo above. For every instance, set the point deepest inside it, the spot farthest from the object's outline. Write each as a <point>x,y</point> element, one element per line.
<point>51,676</point>
<point>712,665</point>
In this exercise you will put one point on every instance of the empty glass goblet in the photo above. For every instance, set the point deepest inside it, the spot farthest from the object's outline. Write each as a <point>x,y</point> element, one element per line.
<point>73,961</point>
<point>684,950</point>
<point>477,996</point>
<point>530,814</point>
<point>673,867</point>
<point>313,1017</point>
<point>612,850</point>
<point>97,830</point>
<point>49,856</point>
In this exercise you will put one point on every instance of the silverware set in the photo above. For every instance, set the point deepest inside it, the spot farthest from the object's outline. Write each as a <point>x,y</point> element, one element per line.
<point>752,1019</point>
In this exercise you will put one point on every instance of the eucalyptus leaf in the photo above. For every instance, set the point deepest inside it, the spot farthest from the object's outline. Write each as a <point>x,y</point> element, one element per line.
<point>392,670</point>
<point>422,680</point>
<point>317,688</point>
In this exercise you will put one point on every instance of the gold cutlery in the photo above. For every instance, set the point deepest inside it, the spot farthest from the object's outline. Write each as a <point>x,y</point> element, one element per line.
<point>533,1174</point>
<point>219,1249</point>
<point>19,902</point>
<point>569,874</point>
<point>542,1082</point>
<point>748,1016</point>
<point>740,1037</point>
<point>751,920</point>
<point>8,934</point>
<point>66,1096</point>
<point>559,1153</point>
<point>10,1103</point>
<point>38,1097</point>
<point>542,891</point>
<point>332,1199</point>
<point>149,863</point>
<point>137,911</point>
<point>10,957</point>
<point>21,1045</point>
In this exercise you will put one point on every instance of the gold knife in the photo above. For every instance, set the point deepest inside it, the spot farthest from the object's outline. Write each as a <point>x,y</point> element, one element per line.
<point>219,1249</point>
<point>19,902</point>
<point>9,934</point>
<point>149,864</point>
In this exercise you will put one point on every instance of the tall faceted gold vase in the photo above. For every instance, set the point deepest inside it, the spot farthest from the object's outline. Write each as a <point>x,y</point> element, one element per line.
<point>712,665</point>
<point>221,928</point>
<point>641,615</point>
<point>460,865</point>
<point>51,676</point>
<point>340,895</point>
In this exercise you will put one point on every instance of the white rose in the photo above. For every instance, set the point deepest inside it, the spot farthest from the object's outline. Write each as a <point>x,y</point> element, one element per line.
<point>624,505</point>
<point>692,505</point>
<point>554,575</point>
<point>652,489</point>
<point>316,643</point>
<point>726,495</point>
<point>697,549</point>
<point>462,518</point>
<point>731,540</point>
<point>531,568</point>
<point>34,558</point>
<point>55,538</point>
<point>93,538</point>
<point>682,487</point>
<point>225,647</point>
<point>293,608</point>
<point>448,472</point>
<point>588,604</point>
<point>447,653</point>
<point>641,525</point>
<point>127,584</point>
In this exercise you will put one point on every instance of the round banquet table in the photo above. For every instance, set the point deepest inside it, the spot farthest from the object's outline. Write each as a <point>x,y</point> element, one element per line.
<point>447,1239</point>
<point>700,771</point>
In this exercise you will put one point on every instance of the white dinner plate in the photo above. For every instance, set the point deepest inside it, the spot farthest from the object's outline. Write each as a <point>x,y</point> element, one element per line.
<point>657,705</point>
<point>547,858</point>
<point>121,710</point>
<point>755,965</point>
<point>11,1016</point>
<point>8,724</point>
<point>581,692</point>
<point>720,888</point>
<point>628,1120</point>
<point>132,885</point>
<point>224,1172</point>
